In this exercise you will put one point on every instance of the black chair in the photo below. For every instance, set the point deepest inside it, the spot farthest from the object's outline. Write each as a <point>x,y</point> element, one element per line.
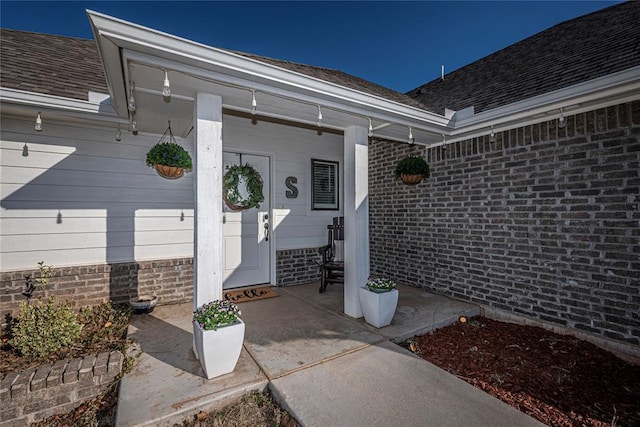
<point>332,267</point>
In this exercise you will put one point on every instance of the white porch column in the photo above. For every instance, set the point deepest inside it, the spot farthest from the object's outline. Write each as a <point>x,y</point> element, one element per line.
<point>207,241</point>
<point>356,217</point>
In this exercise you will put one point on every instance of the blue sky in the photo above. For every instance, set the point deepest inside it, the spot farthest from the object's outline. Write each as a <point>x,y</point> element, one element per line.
<point>400,45</point>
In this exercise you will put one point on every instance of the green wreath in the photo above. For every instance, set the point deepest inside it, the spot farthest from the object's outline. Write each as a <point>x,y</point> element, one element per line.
<point>253,182</point>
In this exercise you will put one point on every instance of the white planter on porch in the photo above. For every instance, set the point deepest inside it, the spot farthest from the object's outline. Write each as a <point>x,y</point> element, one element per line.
<point>218,351</point>
<point>378,308</point>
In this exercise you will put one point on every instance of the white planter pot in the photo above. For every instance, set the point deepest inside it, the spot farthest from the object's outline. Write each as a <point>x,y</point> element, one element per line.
<point>378,308</point>
<point>218,351</point>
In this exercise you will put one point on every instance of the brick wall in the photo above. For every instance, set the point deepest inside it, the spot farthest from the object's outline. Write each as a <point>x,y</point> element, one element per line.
<point>38,393</point>
<point>170,280</point>
<point>298,266</point>
<point>544,222</point>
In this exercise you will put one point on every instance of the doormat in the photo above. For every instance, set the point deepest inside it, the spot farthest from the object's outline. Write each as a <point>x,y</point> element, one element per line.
<point>252,293</point>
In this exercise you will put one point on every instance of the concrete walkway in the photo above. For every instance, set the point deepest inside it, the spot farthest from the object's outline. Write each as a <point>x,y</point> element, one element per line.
<point>325,368</point>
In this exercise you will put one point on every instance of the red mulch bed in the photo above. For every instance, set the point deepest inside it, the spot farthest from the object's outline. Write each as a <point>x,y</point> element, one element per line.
<point>557,379</point>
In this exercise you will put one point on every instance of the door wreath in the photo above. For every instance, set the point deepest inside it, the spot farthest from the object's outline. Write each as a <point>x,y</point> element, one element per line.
<point>253,183</point>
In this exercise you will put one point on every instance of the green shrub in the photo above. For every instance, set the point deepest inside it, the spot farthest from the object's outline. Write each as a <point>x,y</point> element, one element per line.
<point>44,327</point>
<point>412,165</point>
<point>169,154</point>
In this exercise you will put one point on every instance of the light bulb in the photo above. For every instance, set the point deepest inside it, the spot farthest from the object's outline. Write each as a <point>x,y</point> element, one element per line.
<point>492,135</point>
<point>370,133</point>
<point>166,88</point>
<point>411,140</point>
<point>118,134</point>
<point>561,121</point>
<point>132,101</point>
<point>38,126</point>
<point>254,103</point>
<point>319,117</point>
<point>134,127</point>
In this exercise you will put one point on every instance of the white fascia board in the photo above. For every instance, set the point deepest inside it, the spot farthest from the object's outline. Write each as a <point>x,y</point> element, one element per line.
<point>41,101</point>
<point>178,50</point>
<point>619,87</point>
<point>302,94</point>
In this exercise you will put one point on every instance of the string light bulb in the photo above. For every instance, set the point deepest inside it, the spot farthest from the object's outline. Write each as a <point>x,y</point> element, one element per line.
<point>254,103</point>
<point>319,117</point>
<point>38,125</point>
<point>561,120</point>
<point>132,101</point>
<point>166,88</point>
<point>411,139</point>
<point>370,133</point>
<point>492,135</point>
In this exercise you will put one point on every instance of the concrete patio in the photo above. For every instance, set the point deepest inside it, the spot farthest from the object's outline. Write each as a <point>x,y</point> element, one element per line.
<point>324,367</point>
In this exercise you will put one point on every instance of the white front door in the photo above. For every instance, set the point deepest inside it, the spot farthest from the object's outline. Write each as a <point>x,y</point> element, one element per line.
<point>246,235</point>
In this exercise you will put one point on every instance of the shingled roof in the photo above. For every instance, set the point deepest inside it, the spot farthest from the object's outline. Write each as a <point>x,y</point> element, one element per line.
<point>339,78</point>
<point>54,65</point>
<point>70,67</point>
<point>571,52</point>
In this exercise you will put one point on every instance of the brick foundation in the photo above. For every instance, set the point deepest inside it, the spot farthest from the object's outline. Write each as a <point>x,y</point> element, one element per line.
<point>544,222</point>
<point>38,393</point>
<point>170,280</point>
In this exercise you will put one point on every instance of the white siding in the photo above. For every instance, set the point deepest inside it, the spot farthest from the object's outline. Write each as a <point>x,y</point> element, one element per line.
<point>80,197</point>
<point>295,224</point>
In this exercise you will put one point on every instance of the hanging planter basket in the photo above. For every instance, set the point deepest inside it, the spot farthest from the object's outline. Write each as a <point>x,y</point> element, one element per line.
<point>242,188</point>
<point>411,179</point>
<point>411,170</point>
<point>168,157</point>
<point>169,172</point>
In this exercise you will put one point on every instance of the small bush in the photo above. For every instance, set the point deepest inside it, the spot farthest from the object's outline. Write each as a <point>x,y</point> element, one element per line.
<point>44,327</point>
<point>412,165</point>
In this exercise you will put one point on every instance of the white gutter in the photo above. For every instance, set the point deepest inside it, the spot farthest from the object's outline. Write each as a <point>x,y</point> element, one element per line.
<point>94,111</point>
<point>616,88</point>
<point>347,106</point>
<point>21,97</point>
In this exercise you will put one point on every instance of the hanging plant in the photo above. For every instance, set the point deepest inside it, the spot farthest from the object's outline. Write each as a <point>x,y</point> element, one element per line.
<point>252,181</point>
<point>411,170</point>
<point>168,157</point>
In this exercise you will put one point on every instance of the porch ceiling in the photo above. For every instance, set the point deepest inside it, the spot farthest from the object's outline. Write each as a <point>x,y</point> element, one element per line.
<point>133,54</point>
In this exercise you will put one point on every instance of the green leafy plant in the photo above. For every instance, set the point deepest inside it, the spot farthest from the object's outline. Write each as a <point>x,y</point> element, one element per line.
<point>42,279</point>
<point>169,154</point>
<point>233,177</point>
<point>412,165</point>
<point>45,274</point>
<point>216,314</point>
<point>44,327</point>
<point>380,284</point>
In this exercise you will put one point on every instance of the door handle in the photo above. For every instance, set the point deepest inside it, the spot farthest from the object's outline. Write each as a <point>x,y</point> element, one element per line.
<point>266,231</point>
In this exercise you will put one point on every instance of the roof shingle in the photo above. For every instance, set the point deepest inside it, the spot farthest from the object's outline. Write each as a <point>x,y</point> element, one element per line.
<point>574,51</point>
<point>71,67</point>
<point>55,65</point>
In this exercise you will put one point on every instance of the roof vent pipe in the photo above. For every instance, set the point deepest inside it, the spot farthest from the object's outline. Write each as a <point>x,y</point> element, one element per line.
<point>442,73</point>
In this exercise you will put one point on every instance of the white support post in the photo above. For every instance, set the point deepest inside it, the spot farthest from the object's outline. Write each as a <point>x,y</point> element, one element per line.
<point>207,250</point>
<point>356,217</point>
